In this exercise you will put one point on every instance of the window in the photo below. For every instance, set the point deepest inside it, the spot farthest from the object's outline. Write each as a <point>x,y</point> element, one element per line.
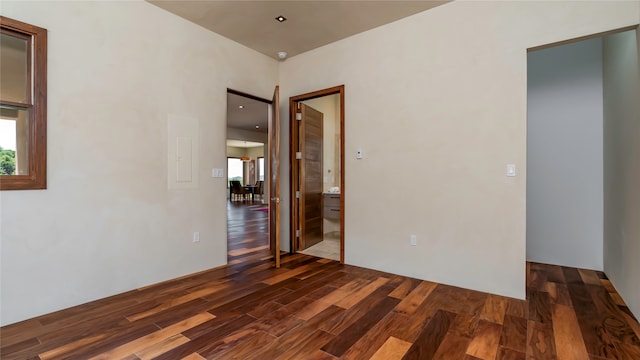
<point>23,106</point>
<point>235,170</point>
<point>260,169</point>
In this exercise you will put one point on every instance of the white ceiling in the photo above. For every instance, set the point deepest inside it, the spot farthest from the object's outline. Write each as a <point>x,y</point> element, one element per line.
<point>254,113</point>
<point>310,24</point>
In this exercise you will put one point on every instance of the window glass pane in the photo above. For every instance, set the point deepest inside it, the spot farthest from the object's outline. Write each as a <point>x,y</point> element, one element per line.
<point>261,169</point>
<point>13,69</point>
<point>14,132</point>
<point>235,169</point>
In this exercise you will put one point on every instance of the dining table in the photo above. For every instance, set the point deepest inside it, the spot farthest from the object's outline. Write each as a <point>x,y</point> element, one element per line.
<point>251,189</point>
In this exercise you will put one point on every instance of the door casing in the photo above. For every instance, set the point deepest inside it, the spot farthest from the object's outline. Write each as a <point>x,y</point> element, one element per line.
<point>274,169</point>
<point>295,170</point>
<point>274,184</point>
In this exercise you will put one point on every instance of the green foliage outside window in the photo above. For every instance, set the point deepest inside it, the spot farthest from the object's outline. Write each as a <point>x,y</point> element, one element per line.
<point>7,162</point>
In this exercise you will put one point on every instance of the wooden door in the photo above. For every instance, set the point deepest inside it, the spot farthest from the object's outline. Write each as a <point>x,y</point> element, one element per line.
<point>310,137</point>
<point>274,184</point>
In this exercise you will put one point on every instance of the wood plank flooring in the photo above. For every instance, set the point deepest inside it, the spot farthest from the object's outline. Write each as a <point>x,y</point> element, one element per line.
<point>315,308</point>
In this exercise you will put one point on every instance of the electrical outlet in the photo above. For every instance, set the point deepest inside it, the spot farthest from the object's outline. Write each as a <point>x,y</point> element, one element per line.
<point>196,236</point>
<point>414,240</point>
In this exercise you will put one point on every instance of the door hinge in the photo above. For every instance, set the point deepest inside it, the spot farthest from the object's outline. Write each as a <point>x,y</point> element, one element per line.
<point>297,194</point>
<point>297,233</point>
<point>298,116</point>
<point>298,155</point>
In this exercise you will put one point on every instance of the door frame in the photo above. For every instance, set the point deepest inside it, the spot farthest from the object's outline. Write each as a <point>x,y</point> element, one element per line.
<point>295,170</point>
<point>271,107</point>
<point>274,174</point>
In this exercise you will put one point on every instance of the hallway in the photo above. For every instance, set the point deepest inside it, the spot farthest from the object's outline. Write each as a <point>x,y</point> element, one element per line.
<point>247,231</point>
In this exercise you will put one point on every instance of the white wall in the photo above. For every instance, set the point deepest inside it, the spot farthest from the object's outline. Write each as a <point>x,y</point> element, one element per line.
<point>439,98</point>
<point>254,154</point>
<point>564,155</point>
<point>236,152</point>
<point>107,222</point>
<point>622,165</point>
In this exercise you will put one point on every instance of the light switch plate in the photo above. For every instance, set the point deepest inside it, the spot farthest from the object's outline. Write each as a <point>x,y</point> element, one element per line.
<point>217,173</point>
<point>511,170</point>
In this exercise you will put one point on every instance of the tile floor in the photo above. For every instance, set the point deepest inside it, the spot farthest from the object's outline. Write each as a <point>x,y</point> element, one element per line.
<point>328,248</point>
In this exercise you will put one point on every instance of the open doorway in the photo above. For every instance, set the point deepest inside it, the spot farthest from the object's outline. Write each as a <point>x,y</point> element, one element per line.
<point>245,162</point>
<point>565,155</point>
<point>566,152</point>
<point>247,173</point>
<point>317,173</point>
<point>582,148</point>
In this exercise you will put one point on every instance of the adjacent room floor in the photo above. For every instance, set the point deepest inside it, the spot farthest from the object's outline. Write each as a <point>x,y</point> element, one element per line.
<point>314,308</point>
<point>247,230</point>
<point>328,248</point>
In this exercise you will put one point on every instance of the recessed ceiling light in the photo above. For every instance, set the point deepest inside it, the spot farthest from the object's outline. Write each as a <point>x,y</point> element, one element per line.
<point>257,126</point>
<point>281,18</point>
<point>240,106</point>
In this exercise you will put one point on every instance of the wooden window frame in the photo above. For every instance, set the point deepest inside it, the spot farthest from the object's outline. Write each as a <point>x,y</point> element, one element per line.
<point>36,106</point>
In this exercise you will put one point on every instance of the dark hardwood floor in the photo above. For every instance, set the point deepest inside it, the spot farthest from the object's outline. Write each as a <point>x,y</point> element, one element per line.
<point>247,231</point>
<point>318,309</point>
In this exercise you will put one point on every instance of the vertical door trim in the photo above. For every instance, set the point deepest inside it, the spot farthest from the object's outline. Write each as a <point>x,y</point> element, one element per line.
<point>274,184</point>
<point>295,170</point>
